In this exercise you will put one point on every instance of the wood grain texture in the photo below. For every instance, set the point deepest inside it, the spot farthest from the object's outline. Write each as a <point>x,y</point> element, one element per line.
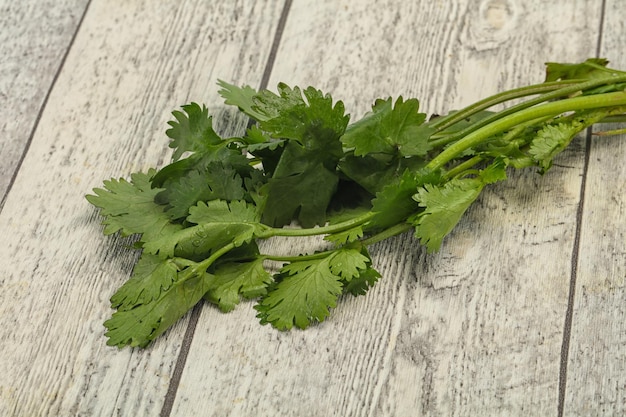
<point>34,36</point>
<point>474,330</point>
<point>131,64</point>
<point>596,383</point>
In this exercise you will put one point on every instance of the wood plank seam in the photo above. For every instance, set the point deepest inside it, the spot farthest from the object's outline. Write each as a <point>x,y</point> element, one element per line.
<point>569,313</point>
<point>181,361</point>
<point>44,103</point>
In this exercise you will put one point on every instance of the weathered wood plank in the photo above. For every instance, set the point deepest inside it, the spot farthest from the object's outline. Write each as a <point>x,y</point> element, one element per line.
<point>596,374</point>
<point>34,36</point>
<point>130,65</point>
<point>473,330</point>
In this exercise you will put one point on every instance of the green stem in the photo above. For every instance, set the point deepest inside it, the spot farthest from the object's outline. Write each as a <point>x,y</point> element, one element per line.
<point>559,93</point>
<point>617,118</point>
<point>297,258</point>
<point>313,231</point>
<point>603,68</point>
<point>463,166</point>
<point>447,121</point>
<point>507,122</point>
<point>610,132</point>
<point>201,267</point>
<point>387,233</point>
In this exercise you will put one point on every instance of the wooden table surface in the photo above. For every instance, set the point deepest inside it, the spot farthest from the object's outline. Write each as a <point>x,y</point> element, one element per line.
<point>521,313</point>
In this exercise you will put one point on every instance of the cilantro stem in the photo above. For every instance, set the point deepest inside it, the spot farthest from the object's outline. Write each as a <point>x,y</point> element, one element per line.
<point>511,120</point>
<point>202,266</point>
<point>387,233</point>
<point>511,137</point>
<point>610,132</point>
<point>379,237</point>
<point>617,118</point>
<point>444,122</point>
<point>297,258</point>
<point>603,68</point>
<point>323,230</point>
<point>559,93</point>
<point>463,166</point>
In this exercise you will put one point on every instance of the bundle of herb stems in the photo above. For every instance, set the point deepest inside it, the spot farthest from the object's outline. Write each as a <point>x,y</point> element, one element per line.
<point>302,163</point>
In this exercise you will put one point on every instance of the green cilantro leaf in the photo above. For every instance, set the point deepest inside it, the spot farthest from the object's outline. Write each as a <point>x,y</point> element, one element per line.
<point>184,193</point>
<point>141,324</point>
<point>374,172</point>
<point>360,284</point>
<point>265,148</point>
<point>591,68</point>
<point>222,211</point>
<point>395,202</point>
<point>304,195</point>
<point>346,236</point>
<point>151,276</point>
<point>232,279</point>
<point>218,224</point>
<point>390,130</point>
<point>315,122</point>
<point>191,132</point>
<point>444,206</point>
<point>242,97</point>
<point>355,267</point>
<point>549,142</point>
<point>218,182</point>
<point>255,136</point>
<point>270,105</point>
<point>304,292</point>
<point>129,207</point>
<point>494,172</point>
<point>304,179</point>
<point>271,145</point>
<point>347,211</point>
<point>553,138</point>
<point>347,263</point>
<point>201,161</point>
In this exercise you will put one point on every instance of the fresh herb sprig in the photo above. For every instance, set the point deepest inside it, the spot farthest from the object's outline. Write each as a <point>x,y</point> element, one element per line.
<point>303,163</point>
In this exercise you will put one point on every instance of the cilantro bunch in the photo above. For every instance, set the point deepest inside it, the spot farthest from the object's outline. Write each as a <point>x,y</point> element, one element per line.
<point>303,163</point>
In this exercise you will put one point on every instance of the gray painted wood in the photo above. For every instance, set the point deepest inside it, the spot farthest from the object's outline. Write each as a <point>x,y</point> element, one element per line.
<point>596,374</point>
<point>34,37</point>
<point>475,329</point>
<point>128,69</point>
